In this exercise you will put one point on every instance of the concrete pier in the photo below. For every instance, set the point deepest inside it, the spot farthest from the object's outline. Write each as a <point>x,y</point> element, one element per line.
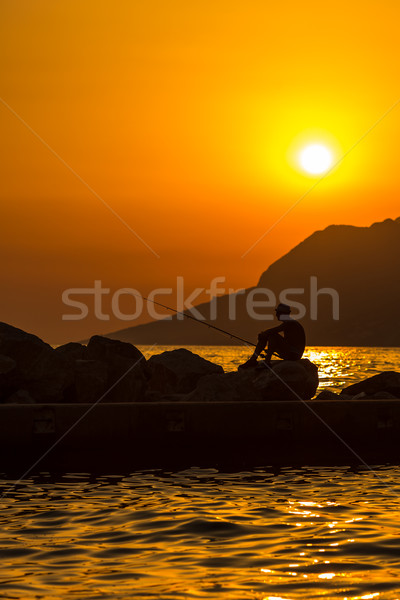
<point>117,438</point>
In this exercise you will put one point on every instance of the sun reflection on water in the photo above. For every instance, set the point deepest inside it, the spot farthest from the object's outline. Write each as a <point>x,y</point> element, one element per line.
<point>201,533</point>
<point>311,568</point>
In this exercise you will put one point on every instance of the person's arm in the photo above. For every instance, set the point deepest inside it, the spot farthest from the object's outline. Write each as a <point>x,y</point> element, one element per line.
<point>276,329</point>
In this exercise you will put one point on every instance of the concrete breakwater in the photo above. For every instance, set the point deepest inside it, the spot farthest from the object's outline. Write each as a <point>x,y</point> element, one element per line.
<point>122,437</point>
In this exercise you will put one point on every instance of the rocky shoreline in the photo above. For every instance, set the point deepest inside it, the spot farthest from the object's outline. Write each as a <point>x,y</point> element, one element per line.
<point>110,371</point>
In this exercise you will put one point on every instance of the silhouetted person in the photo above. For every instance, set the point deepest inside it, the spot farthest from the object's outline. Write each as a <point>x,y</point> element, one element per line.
<point>289,347</point>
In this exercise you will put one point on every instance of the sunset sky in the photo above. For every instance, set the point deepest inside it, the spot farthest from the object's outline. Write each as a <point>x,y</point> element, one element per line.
<point>186,119</point>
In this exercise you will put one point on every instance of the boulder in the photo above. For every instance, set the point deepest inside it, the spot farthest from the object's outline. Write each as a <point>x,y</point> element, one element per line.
<point>126,369</point>
<point>179,371</point>
<point>72,351</point>
<point>25,348</point>
<point>226,387</point>
<point>327,395</point>
<point>383,396</point>
<point>90,381</point>
<point>20,397</point>
<point>288,380</point>
<point>153,396</point>
<point>284,380</point>
<point>388,381</point>
<point>7,366</point>
<point>8,370</point>
<point>44,373</point>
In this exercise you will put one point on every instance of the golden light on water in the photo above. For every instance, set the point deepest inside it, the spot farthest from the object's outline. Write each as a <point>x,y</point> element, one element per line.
<point>326,576</point>
<point>296,560</point>
<point>318,569</point>
<point>366,597</point>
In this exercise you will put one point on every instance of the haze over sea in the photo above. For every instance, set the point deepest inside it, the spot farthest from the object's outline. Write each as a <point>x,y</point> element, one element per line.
<point>262,534</point>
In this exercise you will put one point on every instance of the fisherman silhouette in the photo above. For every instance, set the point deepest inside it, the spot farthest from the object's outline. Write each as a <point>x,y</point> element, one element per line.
<point>289,347</point>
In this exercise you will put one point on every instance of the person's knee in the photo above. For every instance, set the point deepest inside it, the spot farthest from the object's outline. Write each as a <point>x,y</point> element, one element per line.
<point>274,341</point>
<point>263,336</point>
<point>274,337</point>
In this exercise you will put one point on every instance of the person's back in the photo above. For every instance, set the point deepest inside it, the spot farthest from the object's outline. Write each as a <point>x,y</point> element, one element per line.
<point>294,335</point>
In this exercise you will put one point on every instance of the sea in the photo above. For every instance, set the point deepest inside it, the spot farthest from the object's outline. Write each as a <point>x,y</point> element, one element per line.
<point>263,534</point>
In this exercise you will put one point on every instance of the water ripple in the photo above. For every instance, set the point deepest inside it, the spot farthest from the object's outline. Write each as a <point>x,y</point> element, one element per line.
<point>296,533</point>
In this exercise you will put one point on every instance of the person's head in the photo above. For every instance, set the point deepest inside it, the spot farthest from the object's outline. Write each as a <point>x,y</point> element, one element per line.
<point>282,311</point>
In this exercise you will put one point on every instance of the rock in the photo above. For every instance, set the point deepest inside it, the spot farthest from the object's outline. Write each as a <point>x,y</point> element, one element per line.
<point>288,380</point>
<point>126,368</point>
<point>226,387</point>
<point>72,351</point>
<point>383,396</point>
<point>7,365</point>
<point>179,371</point>
<point>20,397</point>
<point>153,396</point>
<point>90,378</point>
<point>173,398</point>
<point>327,395</point>
<point>388,381</point>
<point>8,368</point>
<point>26,349</point>
<point>284,380</point>
<point>39,369</point>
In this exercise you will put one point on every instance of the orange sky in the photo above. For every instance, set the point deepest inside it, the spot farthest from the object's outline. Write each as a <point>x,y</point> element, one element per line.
<point>182,116</point>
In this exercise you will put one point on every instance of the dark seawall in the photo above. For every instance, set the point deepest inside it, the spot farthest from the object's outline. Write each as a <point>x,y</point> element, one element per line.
<point>118,438</point>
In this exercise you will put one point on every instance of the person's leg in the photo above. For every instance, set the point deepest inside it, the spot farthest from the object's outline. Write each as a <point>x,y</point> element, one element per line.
<point>261,344</point>
<point>275,346</point>
<point>278,345</point>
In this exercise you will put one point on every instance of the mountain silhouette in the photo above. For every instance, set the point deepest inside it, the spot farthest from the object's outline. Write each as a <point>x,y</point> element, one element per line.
<point>361,264</point>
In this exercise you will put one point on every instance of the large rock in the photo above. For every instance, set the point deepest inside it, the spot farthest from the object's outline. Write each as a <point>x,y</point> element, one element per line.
<point>90,381</point>
<point>288,380</point>
<point>327,395</point>
<point>20,397</point>
<point>388,381</point>
<point>226,387</point>
<point>39,369</point>
<point>98,366</point>
<point>178,371</point>
<point>72,351</point>
<point>284,380</point>
<point>8,376</point>
<point>125,367</point>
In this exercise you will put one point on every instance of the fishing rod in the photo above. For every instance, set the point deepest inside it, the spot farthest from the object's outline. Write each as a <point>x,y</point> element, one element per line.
<point>206,323</point>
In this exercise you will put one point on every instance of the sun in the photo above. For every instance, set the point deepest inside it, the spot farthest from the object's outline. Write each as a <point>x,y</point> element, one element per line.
<point>315,159</point>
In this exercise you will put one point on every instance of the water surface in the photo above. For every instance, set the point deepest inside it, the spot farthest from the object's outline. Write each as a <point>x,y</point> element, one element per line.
<point>296,533</point>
